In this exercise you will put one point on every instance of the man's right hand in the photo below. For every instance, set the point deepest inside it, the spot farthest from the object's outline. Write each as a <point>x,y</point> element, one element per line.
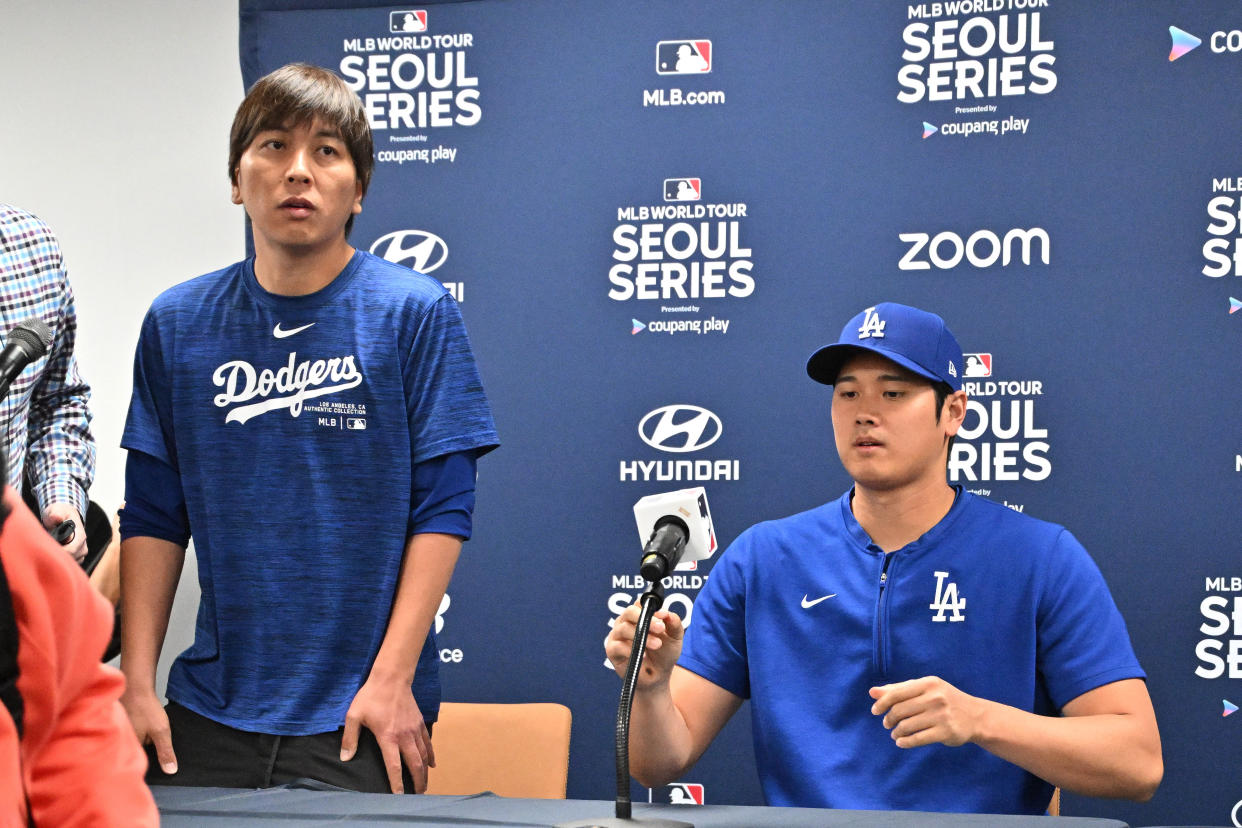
<point>150,723</point>
<point>663,645</point>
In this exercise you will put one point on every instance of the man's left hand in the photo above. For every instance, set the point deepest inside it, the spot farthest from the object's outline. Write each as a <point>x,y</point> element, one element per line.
<point>388,710</point>
<point>57,513</point>
<point>925,711</point>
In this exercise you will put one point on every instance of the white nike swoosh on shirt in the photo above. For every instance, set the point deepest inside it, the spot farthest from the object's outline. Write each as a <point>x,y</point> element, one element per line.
<point>281,334</point>
<point>808,604</point>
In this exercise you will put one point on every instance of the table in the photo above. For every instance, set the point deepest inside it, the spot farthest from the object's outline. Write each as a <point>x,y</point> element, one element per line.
<point>288,807</point>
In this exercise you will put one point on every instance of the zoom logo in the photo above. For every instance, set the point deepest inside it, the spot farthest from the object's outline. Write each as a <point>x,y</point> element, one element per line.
<point>983,248</point>
<point>680,428</point>
<point>416,249</point>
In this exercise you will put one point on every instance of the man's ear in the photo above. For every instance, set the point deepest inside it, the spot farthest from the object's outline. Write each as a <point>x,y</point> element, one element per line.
<point>954,412</point>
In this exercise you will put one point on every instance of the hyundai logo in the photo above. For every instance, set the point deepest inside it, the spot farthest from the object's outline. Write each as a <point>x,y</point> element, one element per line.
<point>417,249</point>
<point>680,428</point>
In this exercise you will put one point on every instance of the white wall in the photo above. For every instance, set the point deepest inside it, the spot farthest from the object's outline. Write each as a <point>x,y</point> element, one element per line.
<point>115,132</point>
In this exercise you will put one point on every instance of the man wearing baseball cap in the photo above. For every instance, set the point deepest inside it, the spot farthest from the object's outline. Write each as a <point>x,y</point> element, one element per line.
<point>908,645</point>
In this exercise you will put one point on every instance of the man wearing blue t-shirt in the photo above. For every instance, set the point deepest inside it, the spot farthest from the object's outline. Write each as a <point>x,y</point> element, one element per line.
<point>908,645</point>
<point>311,417</point>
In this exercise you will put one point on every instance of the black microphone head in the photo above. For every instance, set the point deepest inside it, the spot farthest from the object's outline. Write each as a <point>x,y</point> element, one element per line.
<point>31,335</point>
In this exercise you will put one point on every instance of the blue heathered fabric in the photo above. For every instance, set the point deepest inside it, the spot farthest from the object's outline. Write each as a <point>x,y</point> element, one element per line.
<point>294,424</point>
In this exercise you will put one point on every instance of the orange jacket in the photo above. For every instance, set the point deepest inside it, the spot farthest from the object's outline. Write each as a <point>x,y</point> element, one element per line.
<point>78,756</point>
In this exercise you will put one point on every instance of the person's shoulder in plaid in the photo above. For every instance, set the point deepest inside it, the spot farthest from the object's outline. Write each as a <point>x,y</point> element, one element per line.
<point>44,418</point>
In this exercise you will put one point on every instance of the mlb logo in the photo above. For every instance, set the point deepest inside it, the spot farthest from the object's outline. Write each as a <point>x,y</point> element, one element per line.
<point>683,793</point>
<point>407,21</point>
<point>356,424</point>
<point>683,57</point>
<point>978,365</point>
<point>683,189</point>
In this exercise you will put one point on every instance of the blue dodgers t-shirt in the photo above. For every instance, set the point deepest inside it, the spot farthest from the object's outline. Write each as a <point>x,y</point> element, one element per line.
<point>801,616</point>
<point>294,423</point>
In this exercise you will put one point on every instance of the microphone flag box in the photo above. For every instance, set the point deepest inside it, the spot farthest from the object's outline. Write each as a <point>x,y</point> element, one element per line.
<point>689,506</point>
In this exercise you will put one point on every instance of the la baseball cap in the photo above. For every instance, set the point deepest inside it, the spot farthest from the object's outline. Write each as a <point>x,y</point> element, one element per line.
<point>912,338</point>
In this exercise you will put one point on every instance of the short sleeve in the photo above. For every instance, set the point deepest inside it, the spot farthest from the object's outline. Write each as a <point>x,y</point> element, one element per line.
<point>148,425</point>
<point>715,645</point>
<point>1082,639</point>
<point>446,406</point>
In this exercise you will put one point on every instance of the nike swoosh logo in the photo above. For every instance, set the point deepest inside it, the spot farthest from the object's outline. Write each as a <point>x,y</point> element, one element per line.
<point>808,604</point>
<point>281,334</point>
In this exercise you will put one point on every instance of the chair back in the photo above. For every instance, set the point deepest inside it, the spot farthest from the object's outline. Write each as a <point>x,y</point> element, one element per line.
<point>519,750</point>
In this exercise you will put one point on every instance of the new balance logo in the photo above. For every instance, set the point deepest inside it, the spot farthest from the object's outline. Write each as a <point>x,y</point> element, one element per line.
<point>947,600</point>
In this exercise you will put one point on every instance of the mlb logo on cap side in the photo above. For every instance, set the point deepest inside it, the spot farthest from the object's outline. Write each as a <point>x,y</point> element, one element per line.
<point>683,189</point>
<point>683,57</point>
<point>407,21</point>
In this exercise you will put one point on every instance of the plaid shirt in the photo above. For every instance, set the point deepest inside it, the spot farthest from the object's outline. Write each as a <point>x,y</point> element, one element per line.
<point>44,417</point>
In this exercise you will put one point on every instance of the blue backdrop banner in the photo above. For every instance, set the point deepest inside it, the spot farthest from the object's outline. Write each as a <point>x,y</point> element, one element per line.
<point>651,213</point>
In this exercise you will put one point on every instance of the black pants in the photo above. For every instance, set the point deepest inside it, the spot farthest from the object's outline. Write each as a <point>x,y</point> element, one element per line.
<point>213,755</point>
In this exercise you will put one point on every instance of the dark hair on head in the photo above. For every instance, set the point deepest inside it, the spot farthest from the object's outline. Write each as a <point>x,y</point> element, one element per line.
<point>296,94</point>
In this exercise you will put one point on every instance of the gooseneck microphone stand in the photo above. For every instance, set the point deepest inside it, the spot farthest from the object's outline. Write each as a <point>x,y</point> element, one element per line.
<point>649,603</point>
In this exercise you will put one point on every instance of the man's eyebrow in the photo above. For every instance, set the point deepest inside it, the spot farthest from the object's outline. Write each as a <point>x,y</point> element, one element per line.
<point>327,132</point>
<point>882,378</point>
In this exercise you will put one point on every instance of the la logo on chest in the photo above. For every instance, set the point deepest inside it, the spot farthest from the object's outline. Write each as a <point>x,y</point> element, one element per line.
<point>947,600</point>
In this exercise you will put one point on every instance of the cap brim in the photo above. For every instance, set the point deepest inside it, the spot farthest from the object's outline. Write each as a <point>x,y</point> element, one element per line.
<point>825,364</point>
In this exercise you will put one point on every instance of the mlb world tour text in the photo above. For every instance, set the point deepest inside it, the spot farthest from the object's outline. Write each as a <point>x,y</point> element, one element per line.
<point>721,267</point>
<point>417,88</point>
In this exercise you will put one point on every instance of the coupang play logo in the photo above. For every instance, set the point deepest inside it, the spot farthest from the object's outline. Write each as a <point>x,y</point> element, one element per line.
<point>1219,42</point>
<point>1183,43</point>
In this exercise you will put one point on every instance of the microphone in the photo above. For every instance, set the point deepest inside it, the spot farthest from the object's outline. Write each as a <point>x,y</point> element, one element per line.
<point>674,527</point>
<point>28,341</point>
